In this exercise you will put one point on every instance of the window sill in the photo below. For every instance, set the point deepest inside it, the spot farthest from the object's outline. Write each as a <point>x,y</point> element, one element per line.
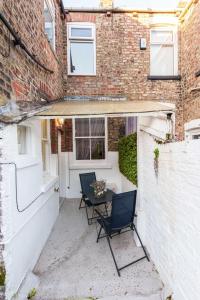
<point>153,77</point>
<point>88,166</point>
<point>81,75</point>
<point>48,182</point>
<point>26,161</point>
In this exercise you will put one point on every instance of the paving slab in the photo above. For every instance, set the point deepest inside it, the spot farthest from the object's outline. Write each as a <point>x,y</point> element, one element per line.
<point>73,266</point>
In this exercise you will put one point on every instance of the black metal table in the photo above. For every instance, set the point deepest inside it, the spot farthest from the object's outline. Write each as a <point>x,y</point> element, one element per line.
<point>97,201</point>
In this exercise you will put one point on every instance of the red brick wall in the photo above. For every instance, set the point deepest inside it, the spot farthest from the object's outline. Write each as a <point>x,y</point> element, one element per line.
<point>54,137</point>
<point>122,68</point>
<point>116,129</point>
<point>190,63</point>
<point>67,136</point>
<point>20,78</point>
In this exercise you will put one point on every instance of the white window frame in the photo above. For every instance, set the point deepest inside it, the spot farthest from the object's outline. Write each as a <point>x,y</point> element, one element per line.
<point>90,161</point>
<point>81,39</point>
<point>46,141</point>
<point>51,8</point>
<point>174,43</point>
<point>192,128</point>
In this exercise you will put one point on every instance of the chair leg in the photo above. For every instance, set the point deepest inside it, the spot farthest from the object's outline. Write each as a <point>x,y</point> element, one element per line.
<point>106,210</point>
<point>141,243</point>
<point>80,203</point>
<point>99,233</point>
<point>86,209</point>
<point>111,250</point>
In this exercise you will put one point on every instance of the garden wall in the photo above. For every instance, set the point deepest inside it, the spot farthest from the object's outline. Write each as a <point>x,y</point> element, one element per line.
<point>169,212</point>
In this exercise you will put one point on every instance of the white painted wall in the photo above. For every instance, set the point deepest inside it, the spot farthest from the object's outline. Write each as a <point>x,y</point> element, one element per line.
<point>168,219</point>
<point>25,233</point>
<point>126,185</point>
<point>108,171</point>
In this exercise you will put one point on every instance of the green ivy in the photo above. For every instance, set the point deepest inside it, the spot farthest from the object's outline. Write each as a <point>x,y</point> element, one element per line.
<point>128,157</point>
<point>2,276</point>
<point>32,294</point>
<point>156,153</point>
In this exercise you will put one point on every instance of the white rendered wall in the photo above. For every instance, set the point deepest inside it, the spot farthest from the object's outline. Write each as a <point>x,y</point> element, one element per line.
<point>169,219</point>
<point>25,233</point>
<point>108,171</point>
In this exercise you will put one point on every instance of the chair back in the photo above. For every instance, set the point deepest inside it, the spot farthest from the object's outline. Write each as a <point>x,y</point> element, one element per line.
<point>123,209</point>
<point>86,180</point>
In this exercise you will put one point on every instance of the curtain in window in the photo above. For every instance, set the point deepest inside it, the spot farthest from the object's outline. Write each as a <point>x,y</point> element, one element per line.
<point>162,52</point>
<point>131,125</point>
<point>97,148</point>
<point>97,126</point>
<point>82,127</point>
<point>83,149</point>
<point>90,138</point>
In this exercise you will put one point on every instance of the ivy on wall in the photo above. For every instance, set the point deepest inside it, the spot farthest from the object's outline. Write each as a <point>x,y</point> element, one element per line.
<point>128,157</point>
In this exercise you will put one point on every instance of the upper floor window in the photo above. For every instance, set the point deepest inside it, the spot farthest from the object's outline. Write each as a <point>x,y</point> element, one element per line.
<point>49,19</point>
<point>81,49</point>
<point>90,138</point>
<point>163,52</point>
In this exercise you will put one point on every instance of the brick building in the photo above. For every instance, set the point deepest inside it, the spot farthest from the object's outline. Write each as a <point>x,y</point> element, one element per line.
<point>54,54</point>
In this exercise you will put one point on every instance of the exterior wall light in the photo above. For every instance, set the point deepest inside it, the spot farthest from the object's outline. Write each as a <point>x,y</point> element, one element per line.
<point>143,44</point>
<point>59,124</point>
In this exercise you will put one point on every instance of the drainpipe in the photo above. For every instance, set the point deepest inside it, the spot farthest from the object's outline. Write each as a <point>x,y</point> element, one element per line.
<point>119,10</point>
<point>186,9</point>
<point>18,42</point>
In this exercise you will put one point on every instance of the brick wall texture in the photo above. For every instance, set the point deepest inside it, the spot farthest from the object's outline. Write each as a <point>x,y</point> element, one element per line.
<point>121,67</point>
<point>190,64</point>
<point>116,130</point>
<point>20,78</point>
<point>67,136</point>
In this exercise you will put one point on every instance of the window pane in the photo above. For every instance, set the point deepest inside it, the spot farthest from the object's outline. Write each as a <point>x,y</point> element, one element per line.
<point>22,139</point>
<point>82,57</point>
<point>97,148</point>
<point>97,127</point>
<point>81,32</point>
<point>49,23</point>
<point>82,127</point>
<point>162,60</point>
<point>161,37</point>
<point>82,149</point>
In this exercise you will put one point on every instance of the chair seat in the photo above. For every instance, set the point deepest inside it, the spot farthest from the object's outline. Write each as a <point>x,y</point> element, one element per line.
<point>89,203</point>
<point>107,223</point>
<point>107,226</point>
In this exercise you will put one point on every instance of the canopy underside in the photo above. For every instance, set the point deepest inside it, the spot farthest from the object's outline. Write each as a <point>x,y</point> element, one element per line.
<point>85,108</point>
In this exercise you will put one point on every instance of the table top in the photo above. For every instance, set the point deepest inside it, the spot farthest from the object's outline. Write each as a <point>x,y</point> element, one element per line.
<point>107,197</point>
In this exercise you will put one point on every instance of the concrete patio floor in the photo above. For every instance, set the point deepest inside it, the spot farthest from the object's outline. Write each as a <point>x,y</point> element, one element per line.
<point>73,266</point>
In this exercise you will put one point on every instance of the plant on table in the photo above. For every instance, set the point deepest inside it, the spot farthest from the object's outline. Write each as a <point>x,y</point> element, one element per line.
<point>99,188</point>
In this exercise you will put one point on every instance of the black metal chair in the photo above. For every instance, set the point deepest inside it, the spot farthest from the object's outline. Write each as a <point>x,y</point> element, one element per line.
<point>86,179</point>
<point>120,221</point>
